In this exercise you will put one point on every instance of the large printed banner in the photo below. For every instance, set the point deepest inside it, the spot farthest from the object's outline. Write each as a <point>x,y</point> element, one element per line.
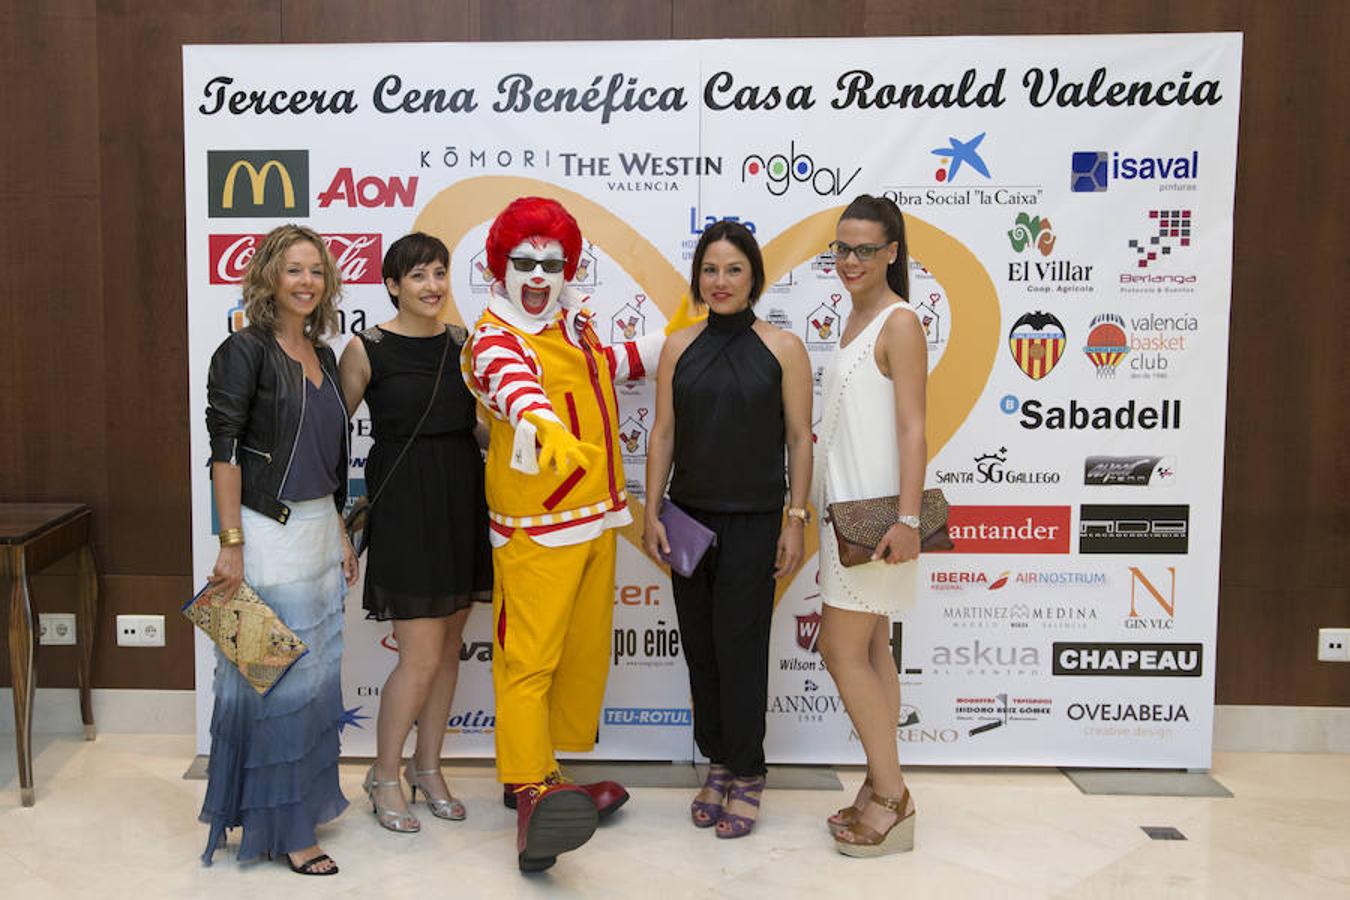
<point>1069,207</point>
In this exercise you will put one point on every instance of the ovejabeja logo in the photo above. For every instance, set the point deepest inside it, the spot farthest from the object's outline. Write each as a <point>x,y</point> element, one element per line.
<point>1129,471</point>
<point>991,468</point>
<point>780,171</point>
<point>368,192</point>
<point>1134,528</point>
<point>1031,235</point>
<point>1106,343</point>
<point>1143,415</point>
<point>1169,229</point>
<point>1141,590</point>
<point>1037,341</point>
<point>1009,529</point>
<point>1092,171</point>
<point>1127,712</point>
<point>358,256</point>
<point>1149,660</point>
<point>257,184</point>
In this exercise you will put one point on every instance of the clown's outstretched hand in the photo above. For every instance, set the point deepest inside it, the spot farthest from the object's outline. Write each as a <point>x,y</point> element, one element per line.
<point>684,316</point>
<point>559,449</point>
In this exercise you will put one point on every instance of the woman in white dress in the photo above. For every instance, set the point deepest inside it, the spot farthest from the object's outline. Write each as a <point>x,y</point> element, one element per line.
<point>871,444</point>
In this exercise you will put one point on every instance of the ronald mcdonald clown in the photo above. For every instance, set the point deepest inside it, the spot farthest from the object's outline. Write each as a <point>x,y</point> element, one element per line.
<point>555,493</point>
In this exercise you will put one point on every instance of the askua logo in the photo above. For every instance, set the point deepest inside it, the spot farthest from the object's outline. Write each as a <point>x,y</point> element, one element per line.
<point>1129,471</point>
<point>1134,528</point>
<point>257,184</point>
<point>369,192</point>
<point>1127,712</point>
<point>1162,415</point>
<point>993,657</point>
<point>780,171</point>
<point>991,468</point>
<point>1150,660</point>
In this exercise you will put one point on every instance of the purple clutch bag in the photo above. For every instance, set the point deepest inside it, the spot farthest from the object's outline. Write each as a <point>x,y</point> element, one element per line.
<point>689,538</point>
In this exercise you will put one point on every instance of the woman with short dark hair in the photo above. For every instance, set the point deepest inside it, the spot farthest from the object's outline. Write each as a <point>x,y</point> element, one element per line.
<point>427,533</point>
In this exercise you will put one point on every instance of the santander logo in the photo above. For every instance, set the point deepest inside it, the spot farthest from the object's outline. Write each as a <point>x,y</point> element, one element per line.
<point>358,256</point>
<point>1009,529</point>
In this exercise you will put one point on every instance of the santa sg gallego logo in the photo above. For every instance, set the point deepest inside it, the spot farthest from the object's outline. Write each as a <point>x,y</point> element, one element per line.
<point>358,256</point>
<point>991,468</point>
<point>1145,415</point>
<point>1009,529</point>
<point>781,171</point>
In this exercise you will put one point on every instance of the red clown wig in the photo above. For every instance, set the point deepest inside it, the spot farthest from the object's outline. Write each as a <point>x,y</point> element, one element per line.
<point>528,217</point>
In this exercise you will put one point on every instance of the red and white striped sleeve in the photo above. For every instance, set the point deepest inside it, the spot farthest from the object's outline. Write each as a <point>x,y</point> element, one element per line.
<point>634,360</point>
<point>505,374</point>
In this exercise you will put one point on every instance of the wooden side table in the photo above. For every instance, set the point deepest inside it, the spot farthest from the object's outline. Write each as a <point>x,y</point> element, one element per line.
<point>32,537</point>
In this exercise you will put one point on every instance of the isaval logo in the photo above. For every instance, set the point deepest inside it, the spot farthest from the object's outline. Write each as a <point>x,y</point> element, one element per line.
<point>1151,660</point>
<point>1106,343</point>
<point>257,184</point>
<point>781,171</point>
<point>1037,341</point>
<point>1134,528</point>
<point>959,153</point>
<point>1092,171</point>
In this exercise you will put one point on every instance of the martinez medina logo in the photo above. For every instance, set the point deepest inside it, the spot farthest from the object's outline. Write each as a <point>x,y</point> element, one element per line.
<point>997,711</point>
<point>1009,529</point>
<point>781,171</point>
<point>1106,343</point>
<point>1092,171</point>
<point>989,469</point>
<point>1154,660</point>
<point>1037,342</point>
<point>358,256</point>
<point>257,184</point>
<point>1031,235</point>
<point>1166,416</point>
<point>1132,471</point>
<point>1135,528</point>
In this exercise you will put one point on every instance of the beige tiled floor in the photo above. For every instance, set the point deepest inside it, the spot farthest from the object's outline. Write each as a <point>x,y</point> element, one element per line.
<point>115,818</point>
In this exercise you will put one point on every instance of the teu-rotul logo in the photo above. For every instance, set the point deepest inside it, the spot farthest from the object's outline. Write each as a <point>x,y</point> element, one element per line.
<point>1093,171</point>
<point>358,256</point>
<point>370,191</point>
<point>1164,415</point>
<point>1009,529</point>
<point>1129,471</point>
<point>1133,528</point>
<point>780,171</point>
<point>257,184</point>
<point>1151,660</point>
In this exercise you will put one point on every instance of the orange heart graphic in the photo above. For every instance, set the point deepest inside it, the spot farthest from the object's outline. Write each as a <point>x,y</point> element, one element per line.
<point>954,385</point>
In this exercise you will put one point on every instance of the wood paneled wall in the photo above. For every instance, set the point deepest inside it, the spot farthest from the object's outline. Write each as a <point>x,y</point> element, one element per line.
<point>93,366</point>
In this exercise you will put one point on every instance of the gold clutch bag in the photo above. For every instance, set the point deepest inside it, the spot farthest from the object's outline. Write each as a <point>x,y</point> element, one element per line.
<point>249,633</point>
<point>859,525</point>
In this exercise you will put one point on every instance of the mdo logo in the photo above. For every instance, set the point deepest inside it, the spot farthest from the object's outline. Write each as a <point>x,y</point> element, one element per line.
<point>1009,529</point>
<point>1152,660</point>
<point>1093,171</point>
<point>780,172</point>
<point>1133,528</point>
<point>1129,471</point>
<point>1162,415</point>
<point>990,468</point>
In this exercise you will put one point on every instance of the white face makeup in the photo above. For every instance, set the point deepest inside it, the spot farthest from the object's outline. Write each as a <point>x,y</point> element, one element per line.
<point>534,292</point>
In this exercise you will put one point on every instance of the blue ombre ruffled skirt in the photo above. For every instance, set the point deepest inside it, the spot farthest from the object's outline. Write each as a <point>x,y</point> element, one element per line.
<point>273,768</point>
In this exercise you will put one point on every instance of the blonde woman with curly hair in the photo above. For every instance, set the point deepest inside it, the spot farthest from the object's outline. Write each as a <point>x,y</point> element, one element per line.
<point>278,427</point>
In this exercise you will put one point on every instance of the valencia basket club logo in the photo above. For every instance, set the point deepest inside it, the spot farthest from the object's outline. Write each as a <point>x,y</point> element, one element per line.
<point>1106,343</point>
<point>263,184</point>
<point>1037,342</point>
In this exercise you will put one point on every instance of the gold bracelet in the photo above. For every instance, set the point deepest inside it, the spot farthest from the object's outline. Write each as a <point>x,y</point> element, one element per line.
<point>232,537</point>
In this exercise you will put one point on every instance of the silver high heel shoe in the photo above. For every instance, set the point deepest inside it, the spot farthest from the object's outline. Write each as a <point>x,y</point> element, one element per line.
<point>392,819</point>
<point>450,809</point>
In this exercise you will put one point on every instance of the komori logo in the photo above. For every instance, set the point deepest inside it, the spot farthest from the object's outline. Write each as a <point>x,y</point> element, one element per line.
<point>358,256</point>
<point>1149,660</point>
<point>368,192</point>
<point>957,154</point>
<point>257,183</point>
<point>1092,171</point>
<point>781,171</point>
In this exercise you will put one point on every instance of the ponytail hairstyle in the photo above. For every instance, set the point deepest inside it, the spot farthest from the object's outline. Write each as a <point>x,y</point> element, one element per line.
<point>886,213</point>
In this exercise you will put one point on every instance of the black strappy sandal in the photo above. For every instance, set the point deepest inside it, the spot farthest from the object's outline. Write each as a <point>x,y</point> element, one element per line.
<point>308,866</point>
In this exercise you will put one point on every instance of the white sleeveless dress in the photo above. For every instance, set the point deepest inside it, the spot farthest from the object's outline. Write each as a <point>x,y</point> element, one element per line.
<point>856,458</point>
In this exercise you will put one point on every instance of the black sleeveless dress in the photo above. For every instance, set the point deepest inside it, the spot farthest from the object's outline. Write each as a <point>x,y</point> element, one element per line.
<point>428,553</point>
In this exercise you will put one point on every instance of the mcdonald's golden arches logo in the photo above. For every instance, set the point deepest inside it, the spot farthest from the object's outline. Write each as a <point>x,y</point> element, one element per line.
<point>257,184</point>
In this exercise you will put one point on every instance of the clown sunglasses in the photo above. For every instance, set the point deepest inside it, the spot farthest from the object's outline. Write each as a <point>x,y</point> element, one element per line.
<point>525,264</point>
<point>864,252</point>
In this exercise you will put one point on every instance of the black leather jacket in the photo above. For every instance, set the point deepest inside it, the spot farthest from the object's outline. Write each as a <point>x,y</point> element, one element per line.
<point>255,396</point>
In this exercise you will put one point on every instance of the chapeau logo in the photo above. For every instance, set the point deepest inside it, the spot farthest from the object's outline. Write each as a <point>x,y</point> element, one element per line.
<point>257,184</point>
<point>1154,660</point>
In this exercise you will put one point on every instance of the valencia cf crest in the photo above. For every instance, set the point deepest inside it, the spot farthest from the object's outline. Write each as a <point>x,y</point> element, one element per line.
<point>1037,343</point>
<point>808,631</point>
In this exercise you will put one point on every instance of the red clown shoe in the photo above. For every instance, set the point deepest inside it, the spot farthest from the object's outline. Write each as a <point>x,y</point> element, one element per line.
<point>551,819</point>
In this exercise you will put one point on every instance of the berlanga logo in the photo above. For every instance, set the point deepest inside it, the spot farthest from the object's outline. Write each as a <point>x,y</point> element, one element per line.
<point>780,171</point>
<point>1031,233</point>
<point>1169,229</point>
<point>358,256</point>
<point>1106,343</point>
<point>1036,342</point>
<point>1009,529</point>
<point>630,322</point>
<point>1133,528</point>
<point>808,631</point>
<point>1131,471</point>
<point>1093,171</point>
<point>257,184</point>
<point>957,155</point>
<point>369,192</point>
<point>991,468</point>
<point>1151,660</point>
<point>1162,612</point>
<point>823,325</point>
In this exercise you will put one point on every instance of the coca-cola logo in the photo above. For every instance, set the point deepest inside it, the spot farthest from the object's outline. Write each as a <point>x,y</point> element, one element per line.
<point>358,256</point>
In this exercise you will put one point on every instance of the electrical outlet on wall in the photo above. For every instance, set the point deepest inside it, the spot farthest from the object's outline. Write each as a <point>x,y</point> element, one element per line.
<point>140,631</point>
<point>1333,644</point>
<point>55,629</point>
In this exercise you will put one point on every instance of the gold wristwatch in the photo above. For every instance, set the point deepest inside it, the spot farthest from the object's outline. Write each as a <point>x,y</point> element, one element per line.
<point>799,512</point>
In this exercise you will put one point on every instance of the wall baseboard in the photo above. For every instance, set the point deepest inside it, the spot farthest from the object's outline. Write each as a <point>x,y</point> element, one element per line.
<point>1269,729</point>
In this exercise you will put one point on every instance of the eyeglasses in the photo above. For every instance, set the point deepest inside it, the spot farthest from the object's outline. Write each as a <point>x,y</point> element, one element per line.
<point>864,252</point>
<point>525,264</point>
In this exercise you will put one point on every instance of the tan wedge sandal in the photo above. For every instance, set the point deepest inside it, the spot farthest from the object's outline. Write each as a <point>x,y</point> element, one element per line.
<point>864,840</point>
<point>847,816</point>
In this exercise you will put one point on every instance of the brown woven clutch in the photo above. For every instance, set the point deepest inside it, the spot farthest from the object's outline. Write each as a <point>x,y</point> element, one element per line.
<point>859,525</point>
<point>249,633</point>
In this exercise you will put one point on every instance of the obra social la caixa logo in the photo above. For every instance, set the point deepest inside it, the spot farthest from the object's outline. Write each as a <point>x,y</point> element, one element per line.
<point>358,256</point>
<point>780,171</point>
<point>1009,529</point>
